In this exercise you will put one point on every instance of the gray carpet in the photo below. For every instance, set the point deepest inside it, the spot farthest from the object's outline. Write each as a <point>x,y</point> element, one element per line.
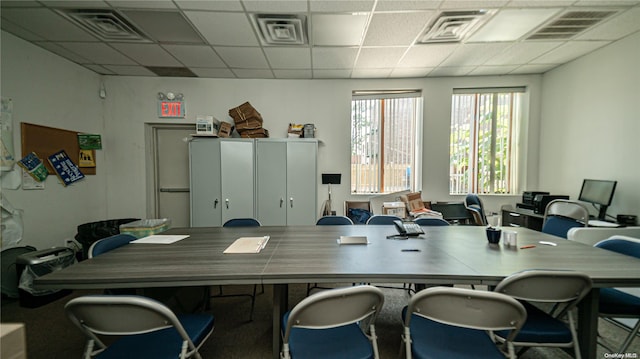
<point>51,335</point>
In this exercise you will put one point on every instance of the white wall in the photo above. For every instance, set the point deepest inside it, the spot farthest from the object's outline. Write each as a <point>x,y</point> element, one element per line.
<point>590,124</point>
<point>120,188</point>
<point>48,90</point>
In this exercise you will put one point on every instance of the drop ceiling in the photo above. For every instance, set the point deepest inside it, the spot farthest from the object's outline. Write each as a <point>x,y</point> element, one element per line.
<point>313,39</point>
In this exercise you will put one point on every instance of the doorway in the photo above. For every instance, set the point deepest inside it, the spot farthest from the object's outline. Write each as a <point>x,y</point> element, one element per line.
<point>169,193</point>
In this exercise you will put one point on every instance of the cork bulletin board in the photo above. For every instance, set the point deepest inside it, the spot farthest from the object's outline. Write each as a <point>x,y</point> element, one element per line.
<point>45,141</point>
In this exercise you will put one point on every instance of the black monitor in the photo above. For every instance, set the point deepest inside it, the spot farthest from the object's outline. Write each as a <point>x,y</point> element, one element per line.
<point>598,192</point>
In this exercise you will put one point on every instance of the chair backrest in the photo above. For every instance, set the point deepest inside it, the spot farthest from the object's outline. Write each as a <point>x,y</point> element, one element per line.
<point>336,307</point>
<point>621,244</point>
<point>383,219</point>
<point>119,315</point>
<point>242,222</point>
<point>109,243</point>
<point>560,215</point>
<point>431,221</point>
<point>334,220</point>
<point>468,308</point>
<point>476,208</point>
<point>547,286</point>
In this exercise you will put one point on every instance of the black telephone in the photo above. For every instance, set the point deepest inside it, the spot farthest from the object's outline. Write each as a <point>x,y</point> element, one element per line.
<point>408,228</point>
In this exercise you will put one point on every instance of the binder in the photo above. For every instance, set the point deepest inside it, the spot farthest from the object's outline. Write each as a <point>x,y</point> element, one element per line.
<point>248,245</point>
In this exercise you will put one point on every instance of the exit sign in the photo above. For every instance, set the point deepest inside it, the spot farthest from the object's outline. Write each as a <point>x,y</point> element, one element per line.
<point>171,109</point>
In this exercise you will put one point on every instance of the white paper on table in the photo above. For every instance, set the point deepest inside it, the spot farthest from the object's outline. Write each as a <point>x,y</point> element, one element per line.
<point>248,245</point>
<point>161,239</point>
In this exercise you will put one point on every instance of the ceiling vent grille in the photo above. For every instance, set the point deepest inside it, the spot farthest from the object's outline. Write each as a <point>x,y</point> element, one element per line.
<point>281,29</point>
<point>107,25</point>
<point>569,25</point>
<point>454,26</point>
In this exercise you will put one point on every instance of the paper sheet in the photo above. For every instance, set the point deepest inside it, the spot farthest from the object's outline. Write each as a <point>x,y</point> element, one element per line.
<point>161,239</point>
<point>248,245</point>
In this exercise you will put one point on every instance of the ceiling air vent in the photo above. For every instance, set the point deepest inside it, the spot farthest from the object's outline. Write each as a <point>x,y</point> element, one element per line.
<point>569,25</point>
<point>281,29</point>
<point>453,26</point>
<point>107,25</point>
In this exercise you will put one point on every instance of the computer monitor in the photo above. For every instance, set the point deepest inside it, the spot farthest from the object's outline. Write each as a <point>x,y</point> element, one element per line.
<point>598,192</point>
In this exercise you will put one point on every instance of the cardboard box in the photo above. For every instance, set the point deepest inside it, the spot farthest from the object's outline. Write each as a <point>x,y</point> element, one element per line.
<point>245,112</point>
<point>394,209</point>
<point>225,129</point>
<point>414,201</point>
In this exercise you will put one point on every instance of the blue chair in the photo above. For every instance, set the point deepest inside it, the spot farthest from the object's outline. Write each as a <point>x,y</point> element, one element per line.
<point>233,223</point>
<point>563,289</point>
<point>615,303</point>
<point>109,243</point>
<point>382,219</point>
<point>145,327</point>
<point>433,221</point>
<point>447,322</point>
<point>334,221</point>
<point>561,215</point>
<point>337,323</point>
<point>476,208</point>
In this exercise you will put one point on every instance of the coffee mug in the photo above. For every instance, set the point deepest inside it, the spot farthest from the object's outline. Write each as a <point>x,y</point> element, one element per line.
<point>493,235</point>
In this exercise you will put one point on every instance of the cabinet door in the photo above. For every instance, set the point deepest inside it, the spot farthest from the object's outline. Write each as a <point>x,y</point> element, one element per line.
<point>204,179</point>
<point>271,166</point>
<point>302,182</point>
<point>238,173</point>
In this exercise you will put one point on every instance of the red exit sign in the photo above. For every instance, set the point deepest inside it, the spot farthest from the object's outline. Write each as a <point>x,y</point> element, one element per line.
<point>171,109</point>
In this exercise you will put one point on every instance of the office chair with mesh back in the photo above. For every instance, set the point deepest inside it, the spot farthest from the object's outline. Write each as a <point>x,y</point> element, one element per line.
<point>447,322</point>
<point>145,328</point>
<point>615,303</point>
<point>242,222</point>
<point>336,323</point>
<point>561,215</point>
<point>564,289</point>
<point>382,219</point>
<point>476,208</point>
<point>334,221</point>
<point>426,221</point>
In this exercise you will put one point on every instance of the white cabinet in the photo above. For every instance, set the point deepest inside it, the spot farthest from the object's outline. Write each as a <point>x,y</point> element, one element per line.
<point>286,181</point>
<point>222,174</point>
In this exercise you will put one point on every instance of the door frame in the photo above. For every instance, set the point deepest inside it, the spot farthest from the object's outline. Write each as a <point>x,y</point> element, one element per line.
<point>151,160</point>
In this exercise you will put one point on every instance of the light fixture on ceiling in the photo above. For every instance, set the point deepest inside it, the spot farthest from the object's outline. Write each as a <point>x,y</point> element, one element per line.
<point>454,26</point>
<point>570,24</point>
<point>280,29</point>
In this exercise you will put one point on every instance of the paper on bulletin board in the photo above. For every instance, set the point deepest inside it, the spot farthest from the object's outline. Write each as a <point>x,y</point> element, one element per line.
<point>29,182</point>
<point>6,134</point>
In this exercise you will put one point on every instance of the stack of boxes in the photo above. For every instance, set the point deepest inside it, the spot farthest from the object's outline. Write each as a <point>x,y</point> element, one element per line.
<point>248,121</point>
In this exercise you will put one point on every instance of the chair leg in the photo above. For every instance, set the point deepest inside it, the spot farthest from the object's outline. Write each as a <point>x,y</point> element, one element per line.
<point>632,335</point>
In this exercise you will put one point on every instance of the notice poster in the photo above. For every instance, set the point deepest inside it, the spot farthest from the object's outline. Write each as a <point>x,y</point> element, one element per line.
<point>65,169</point>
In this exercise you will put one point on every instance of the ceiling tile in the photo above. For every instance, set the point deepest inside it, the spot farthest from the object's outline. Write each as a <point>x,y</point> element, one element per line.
<point>98,53</point>
<point>379,57</point>
<point>243,57</point>
<point>99,69</point>
<point>289,58</point>
<point>293,74</point>
<point>64,52</point>
<point>331,74</point>
<point>614,28</point>
<point>19,3</point>
<point>533,69</point>
<point>77,4</point>
<point>396,29</point>
<point>492,70</point>
<point>212,73</point>
<point>227,29</point>
<point>130,70</point>
<point>472,4</point>
<point>371,73</point>
<point>147,54</point>
<point>539,3</point>
<point>143,4</point>
<point>410,72</point>
<point>19,31</point>
<point>341,6</point>
<point>287,6</point>
<point>219,5</point>
<point>253,73</point>
<point>568,52</point>
<point>430,55</point>
<point>195,55</point>
<point>474,54</point>
<point>337,30</point>
<point>334,57</point>
<point>400,5</point>
<point>606,2</point>
<point>47,24</point>
<point>165,26</point>
<point>451,71</point>
<point>521,53</point>
<point>512,24</point>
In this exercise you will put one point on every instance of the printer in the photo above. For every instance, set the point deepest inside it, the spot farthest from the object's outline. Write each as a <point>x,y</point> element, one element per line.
<point>540,201</point>
<point>527,199</point>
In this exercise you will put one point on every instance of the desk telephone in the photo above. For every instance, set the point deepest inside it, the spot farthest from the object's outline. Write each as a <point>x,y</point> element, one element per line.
<point>408,228</point>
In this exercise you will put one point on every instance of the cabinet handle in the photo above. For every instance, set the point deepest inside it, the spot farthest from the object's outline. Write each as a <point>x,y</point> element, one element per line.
<point>215,203</point>
<point>514,214</point>
<point>227,202</point>
<point>291,202</point>
<point>281,202</point>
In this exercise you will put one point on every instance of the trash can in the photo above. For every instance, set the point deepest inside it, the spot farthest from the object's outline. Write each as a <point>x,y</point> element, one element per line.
<point>88,233</point>
<point>32,265</point>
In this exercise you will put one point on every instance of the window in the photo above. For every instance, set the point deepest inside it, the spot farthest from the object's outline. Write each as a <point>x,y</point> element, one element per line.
<point>385,153</point>
<point>483,145</point>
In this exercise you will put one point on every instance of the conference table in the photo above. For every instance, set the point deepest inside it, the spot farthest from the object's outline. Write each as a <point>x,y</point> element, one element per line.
<point>312,254</point>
